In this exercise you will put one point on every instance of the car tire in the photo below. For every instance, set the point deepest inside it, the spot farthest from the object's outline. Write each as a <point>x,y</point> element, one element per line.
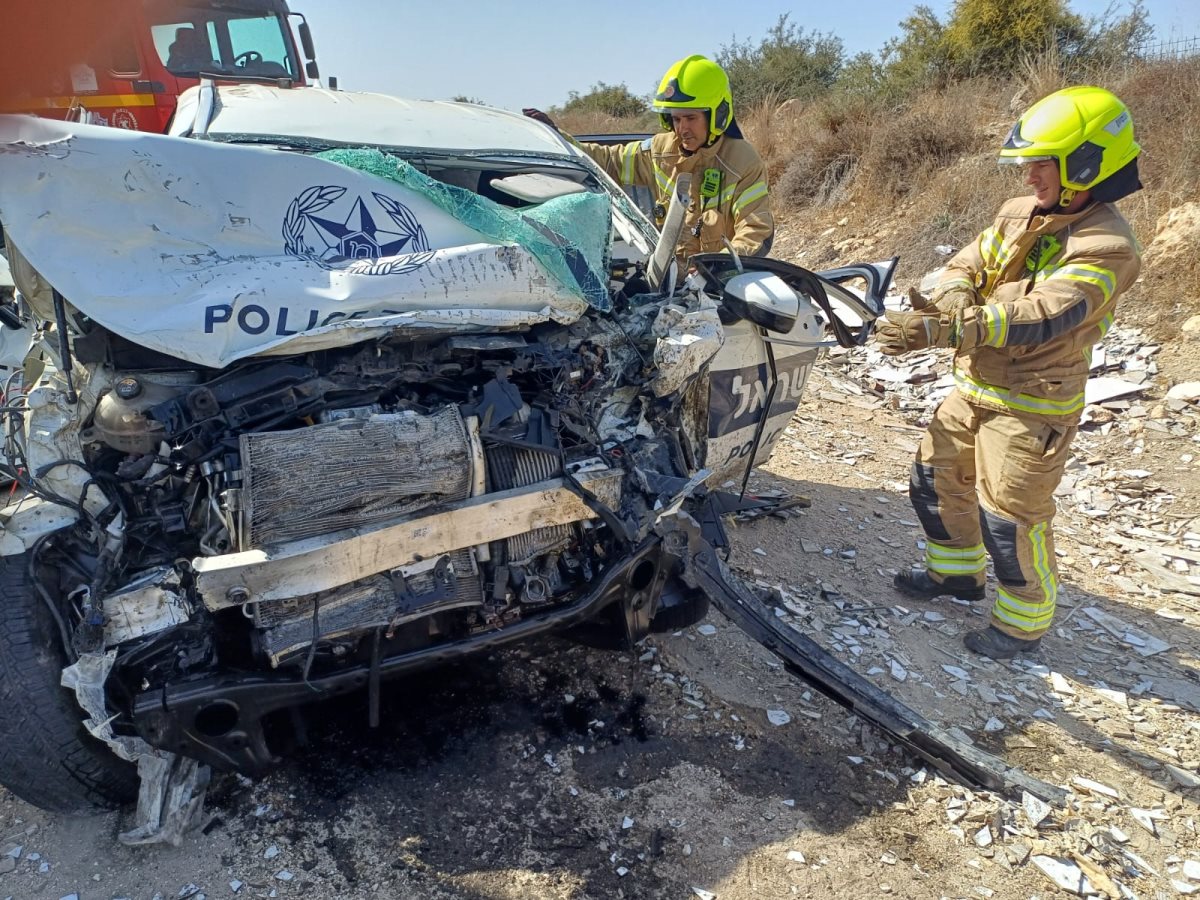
<point>680,607</point>
<point>47,757</point>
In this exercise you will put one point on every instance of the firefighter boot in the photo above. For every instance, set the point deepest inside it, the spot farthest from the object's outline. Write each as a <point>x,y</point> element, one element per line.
<point>917,583</point>
<point>994,643</point>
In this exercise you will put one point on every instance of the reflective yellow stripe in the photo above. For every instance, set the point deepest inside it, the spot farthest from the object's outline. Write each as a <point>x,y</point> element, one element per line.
<point>1105,324</point>
<point>954,560</point>
<point>665,184</point>
<point>756,191</point>
<point>995,323</point>
<point>724,197</point>
<point>989,246</point>
<point>941,551</point>
<point>88,101</point>
<point>1041,564</point>
<point>627,163</point>
<point>1105,279</point>
<point>977,390</point>
<point>1021,615</point>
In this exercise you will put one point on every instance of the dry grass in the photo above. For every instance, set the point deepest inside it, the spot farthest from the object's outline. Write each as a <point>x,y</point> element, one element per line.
<point>596,122</point>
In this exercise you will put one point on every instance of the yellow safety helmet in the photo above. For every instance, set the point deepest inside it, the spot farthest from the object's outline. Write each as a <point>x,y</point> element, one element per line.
<point>696,83</point>
<point>1087,130</point>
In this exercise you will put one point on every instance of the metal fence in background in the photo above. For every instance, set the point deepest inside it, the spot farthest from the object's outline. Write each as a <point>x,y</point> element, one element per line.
<point>1181,48</point>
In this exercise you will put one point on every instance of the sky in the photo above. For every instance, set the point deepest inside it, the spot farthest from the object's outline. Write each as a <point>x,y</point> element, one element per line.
<point>533,52</point>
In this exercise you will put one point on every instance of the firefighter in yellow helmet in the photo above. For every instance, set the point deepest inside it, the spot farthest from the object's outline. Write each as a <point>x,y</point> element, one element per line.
<point>1022,307</point>
<point>728,191</point>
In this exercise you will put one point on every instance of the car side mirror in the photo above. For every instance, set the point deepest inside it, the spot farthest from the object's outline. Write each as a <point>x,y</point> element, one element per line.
<point>764,299</point>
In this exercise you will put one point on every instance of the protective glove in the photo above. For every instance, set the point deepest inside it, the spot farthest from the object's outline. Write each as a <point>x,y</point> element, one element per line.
<point>538,116</point>
<point>901,332</point>
<point>954,300</point>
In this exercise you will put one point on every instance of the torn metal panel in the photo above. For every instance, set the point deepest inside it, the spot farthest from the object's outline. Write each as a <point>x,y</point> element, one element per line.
<point>171,794</point>
<point>688,341</point>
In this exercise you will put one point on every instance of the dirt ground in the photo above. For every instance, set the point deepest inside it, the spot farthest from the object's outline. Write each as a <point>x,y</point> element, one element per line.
<point>559,771</point>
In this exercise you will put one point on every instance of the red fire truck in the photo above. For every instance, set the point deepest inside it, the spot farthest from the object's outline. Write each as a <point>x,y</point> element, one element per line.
<point>124,62</point>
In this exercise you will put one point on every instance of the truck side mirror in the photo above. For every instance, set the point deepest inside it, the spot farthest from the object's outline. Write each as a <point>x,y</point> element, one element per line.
<point>311,70</point>
<point>306,42</point>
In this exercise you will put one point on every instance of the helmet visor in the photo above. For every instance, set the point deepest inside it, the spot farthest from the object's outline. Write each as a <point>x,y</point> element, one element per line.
<point>1022,160</point>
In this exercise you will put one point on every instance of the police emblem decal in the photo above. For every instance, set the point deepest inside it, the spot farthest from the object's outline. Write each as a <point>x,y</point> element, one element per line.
<point>352,239</point>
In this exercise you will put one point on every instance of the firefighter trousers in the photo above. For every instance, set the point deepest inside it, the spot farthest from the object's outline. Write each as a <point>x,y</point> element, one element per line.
<point>985,478</point>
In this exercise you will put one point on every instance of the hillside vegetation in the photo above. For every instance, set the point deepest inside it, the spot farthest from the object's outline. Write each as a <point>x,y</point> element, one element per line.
<point>896,152</point>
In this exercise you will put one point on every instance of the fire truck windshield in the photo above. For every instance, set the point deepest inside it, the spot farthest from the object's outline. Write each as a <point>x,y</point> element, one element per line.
<point>246,39</point>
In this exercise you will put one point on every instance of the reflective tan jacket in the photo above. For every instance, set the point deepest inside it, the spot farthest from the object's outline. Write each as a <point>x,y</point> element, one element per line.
<point>730,202</point>
<point>1047,289</point>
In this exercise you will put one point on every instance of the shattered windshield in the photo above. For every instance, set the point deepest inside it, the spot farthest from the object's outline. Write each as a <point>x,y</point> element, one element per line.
<point>222,39</point>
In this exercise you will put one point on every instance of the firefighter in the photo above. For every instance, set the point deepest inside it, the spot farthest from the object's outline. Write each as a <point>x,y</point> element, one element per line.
<point>728,192</point>
<point>1022,307</point>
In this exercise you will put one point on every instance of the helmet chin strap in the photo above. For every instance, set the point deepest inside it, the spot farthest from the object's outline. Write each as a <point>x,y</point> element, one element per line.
<point>1066,197</point>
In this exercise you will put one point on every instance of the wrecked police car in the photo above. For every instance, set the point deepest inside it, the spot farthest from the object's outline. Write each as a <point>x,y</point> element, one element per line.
<point>326,387</point>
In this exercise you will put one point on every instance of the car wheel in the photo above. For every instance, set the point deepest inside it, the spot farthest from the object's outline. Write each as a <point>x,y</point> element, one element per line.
<point>680,607</point>
<point>47,757</point>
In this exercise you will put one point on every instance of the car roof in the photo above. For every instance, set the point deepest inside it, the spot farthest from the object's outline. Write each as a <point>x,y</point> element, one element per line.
<point>354,118</point>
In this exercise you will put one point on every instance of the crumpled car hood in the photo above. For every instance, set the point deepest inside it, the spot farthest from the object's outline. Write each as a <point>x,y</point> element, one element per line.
<point>213,252</point>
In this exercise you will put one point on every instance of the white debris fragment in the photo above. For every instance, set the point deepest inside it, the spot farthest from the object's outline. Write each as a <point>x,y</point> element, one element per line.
<point>1188,390</point>
<point>934,616</point>
<point>857,760</point>
<point>1191,869</point>
<point>626,823</point>
<point>889,858</point>
<point>795,856</point>
<point>898,671</point>
<point>986,694</point>
<point>1066,875</point>
<point>1060,685</point>
<point>236,885</point>
<point>1184,777</point>
<point>1143,643</point>
<point>284,875</point>
<point>983,837</point>
<point>1035,810</point>
<point>703,894</point>
<point>706,630</point>
<point>271,852</point>
<point>1117,697</point>
<point>622,871</point>
<point>956,672</point>
<point>993,724</point>
<point>1147,817</point>
<point>1183,887</point>
<point>1095,787</point>
<point>778,717</point>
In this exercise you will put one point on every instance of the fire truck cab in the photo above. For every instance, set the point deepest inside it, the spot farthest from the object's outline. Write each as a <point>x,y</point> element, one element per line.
<point>124,63</point>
